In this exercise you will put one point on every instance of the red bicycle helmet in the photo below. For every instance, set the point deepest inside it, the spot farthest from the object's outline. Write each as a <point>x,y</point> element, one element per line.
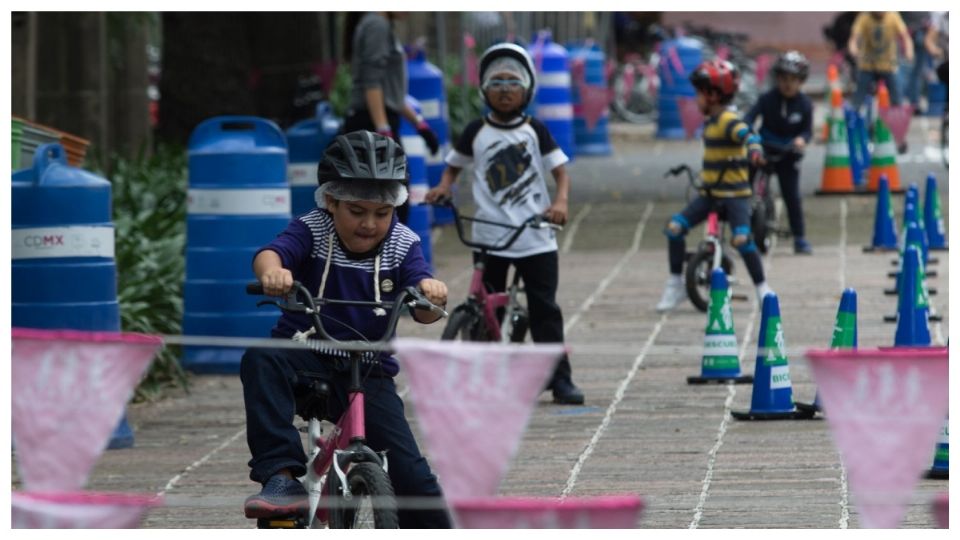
<point>718,75</point>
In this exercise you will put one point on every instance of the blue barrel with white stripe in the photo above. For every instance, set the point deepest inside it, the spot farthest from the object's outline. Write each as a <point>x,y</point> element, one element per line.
<point>306,141</point>
<point>678,58</point>
<point>419,215</point>
<point>590,140</point>
<point>238,201</point>
<point>63,273</point>
<point>425,84</point>
<point>553,104</point>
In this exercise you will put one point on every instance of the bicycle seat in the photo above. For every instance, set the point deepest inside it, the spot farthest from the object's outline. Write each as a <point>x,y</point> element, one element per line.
<point>312,391</point>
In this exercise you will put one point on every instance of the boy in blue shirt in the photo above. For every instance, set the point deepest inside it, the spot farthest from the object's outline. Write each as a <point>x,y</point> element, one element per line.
<point>729,146</point>
<point>350,247</point>
<point>786,129</point>
<point>511,154</point>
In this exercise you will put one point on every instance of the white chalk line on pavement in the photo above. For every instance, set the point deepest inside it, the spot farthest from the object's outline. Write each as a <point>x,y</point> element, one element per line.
<point>574,227</point>
<point>193,466</point>
<point>844,492</point>
<point>631,251</point>
<point>731,393</point>
<point>611,409</point>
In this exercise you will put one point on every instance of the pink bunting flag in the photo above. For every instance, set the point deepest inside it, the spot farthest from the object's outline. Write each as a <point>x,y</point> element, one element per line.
<point>473,401</point>
<point>897,118</point>
<point>69,390</point>
<point>885,409</point>
<point>81,510</point>
<point>764,61</point>
<point>690,116</point>
<point>607,512</point>
<point>473,72</point>
<point>941,510</point>
<point>594,101</point>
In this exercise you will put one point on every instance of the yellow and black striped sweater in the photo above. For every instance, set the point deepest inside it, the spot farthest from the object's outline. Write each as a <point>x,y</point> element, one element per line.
<point>727,142</point>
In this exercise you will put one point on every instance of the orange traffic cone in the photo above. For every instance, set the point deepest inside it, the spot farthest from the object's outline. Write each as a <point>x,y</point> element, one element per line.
<point>832,82</point>
<point>883,159</point>
<point>837,177</point>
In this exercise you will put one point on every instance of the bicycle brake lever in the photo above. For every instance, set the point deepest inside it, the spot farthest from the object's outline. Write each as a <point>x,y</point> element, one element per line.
<point>269,303</point>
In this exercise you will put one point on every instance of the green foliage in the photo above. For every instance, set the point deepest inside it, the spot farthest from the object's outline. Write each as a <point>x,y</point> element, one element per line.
<point>340,91</point>
<point>149,213</point>
<point>464,103</point>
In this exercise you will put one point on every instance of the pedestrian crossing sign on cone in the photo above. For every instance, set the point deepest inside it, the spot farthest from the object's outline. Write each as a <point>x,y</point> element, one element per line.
<point>772,389</point>
<point>837,176</point>
<point>883,159</point>
<point>721,358</point>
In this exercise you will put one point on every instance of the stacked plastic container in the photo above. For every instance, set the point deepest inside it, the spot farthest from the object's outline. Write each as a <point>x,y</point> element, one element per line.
<point>238,201</point>
<point>553,104</point>
<point>679,57</point>
<point>592,140</point>
<point>64,275</point>
<point>425,84</point>
<point>306,141</point>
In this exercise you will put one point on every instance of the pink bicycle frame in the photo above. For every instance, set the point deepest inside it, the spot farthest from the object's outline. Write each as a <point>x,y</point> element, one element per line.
<point>491,302</point>
<point>348,428</point>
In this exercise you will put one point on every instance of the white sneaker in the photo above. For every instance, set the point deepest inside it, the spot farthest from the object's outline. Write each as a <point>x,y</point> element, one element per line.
<point>762,290</point>
<point>673,294</point>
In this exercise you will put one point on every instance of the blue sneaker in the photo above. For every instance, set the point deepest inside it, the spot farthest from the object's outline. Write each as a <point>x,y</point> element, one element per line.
<point>802,247</point>
<point>280,496</point>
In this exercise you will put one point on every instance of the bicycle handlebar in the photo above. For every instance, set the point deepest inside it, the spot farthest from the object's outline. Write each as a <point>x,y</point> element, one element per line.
<point>409,296</point>
<point>534,222</point>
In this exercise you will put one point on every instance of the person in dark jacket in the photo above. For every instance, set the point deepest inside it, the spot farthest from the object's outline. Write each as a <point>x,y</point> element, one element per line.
<point>786,130</point>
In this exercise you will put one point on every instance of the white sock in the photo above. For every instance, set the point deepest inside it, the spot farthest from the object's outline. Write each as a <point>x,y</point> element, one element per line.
<point>675,278</point>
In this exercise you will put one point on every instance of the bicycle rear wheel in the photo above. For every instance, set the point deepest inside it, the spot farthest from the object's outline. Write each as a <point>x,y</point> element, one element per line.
<point>697,279</point>
<point>636,101</point>
<point>464,324</point>
<point>372,505</point>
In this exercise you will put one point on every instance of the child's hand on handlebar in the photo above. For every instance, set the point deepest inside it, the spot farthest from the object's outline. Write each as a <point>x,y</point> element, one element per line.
<point>438,193</point>
<point>435,291</point>
<point>557,213</point>
<point>799,144</point>
<point>756,158</point>
<point>276,281</point>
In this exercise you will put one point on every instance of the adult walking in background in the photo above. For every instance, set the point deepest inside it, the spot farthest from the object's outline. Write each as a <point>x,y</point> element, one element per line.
<point>378,69</point>
<point>873,42</point>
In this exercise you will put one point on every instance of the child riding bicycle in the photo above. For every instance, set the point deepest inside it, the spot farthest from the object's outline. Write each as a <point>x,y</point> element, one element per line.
<point>511,153</point>
<point>729,146</point>
<point>350,247</point>
<point>786,129</point>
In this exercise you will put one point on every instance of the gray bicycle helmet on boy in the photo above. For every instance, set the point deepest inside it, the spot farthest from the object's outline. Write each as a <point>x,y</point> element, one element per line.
<point>515,52</point>
<point>792,63</point>
<point>363,166</point>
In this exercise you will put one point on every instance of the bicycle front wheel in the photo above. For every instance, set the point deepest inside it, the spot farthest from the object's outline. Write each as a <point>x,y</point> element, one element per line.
<point>464,324</point>
<point>372,504</point>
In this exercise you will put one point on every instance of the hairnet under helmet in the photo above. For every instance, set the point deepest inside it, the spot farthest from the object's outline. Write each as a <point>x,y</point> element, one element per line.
<point>363,166</point>
<point>515,52</point>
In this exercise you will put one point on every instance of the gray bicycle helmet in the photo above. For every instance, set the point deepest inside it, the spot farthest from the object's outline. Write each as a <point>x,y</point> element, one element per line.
<point>792,63</point>
<point>516,52</point>
<point>363,166</point>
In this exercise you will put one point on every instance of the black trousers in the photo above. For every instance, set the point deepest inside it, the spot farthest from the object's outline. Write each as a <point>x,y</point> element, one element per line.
<point>272,391</point>
<point>540,275</point>
<point>788,175</point>
<point>358,119</point>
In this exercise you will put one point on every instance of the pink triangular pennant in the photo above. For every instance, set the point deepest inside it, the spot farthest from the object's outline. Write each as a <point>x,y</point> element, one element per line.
<point>690,115</point>
<point>885,409</point>
<point>80,510</point>
<point>459,391</point>
<point>606,512</point>
<point>70,388</point>
<point>594,101</point>
<point>897,118</point>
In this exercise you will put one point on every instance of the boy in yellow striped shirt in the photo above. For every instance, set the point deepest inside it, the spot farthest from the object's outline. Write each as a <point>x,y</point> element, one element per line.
<point>729,148</point>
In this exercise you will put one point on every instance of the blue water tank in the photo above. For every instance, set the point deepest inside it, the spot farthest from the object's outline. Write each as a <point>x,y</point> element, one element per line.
<point>306,140</point>
<point>425,83</point>
<point>64,274</point>
<point>238,201</point>
<point>419,216</point>
<point>590,140</point>
<point>553,104</point>
<point>679,57</point>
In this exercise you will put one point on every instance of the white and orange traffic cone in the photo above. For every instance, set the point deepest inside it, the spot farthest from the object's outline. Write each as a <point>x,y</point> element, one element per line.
<point>837,176</point>
<point>883,159</point>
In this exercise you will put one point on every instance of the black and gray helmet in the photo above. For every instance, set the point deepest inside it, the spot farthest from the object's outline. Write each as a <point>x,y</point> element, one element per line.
<point>363,166</point>
<point>792,63</point>
<point>516,52</point>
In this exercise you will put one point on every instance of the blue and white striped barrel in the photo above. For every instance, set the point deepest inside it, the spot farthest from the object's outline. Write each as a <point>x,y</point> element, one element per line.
<point>554,101</point>
<point>238,201</point>
<point>590,140</point>
<point>419,216</point>
<point>306,141</point>
<point>63,273</point>
<point>678,58</point>
<point>425,84</point>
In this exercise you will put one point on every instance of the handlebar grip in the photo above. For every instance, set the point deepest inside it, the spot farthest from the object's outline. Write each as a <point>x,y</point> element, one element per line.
<point>255,288</point>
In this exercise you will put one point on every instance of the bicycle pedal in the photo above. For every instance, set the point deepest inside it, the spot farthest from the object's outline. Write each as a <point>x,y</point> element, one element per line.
<point>739,297</point>
<point>282,522</point>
